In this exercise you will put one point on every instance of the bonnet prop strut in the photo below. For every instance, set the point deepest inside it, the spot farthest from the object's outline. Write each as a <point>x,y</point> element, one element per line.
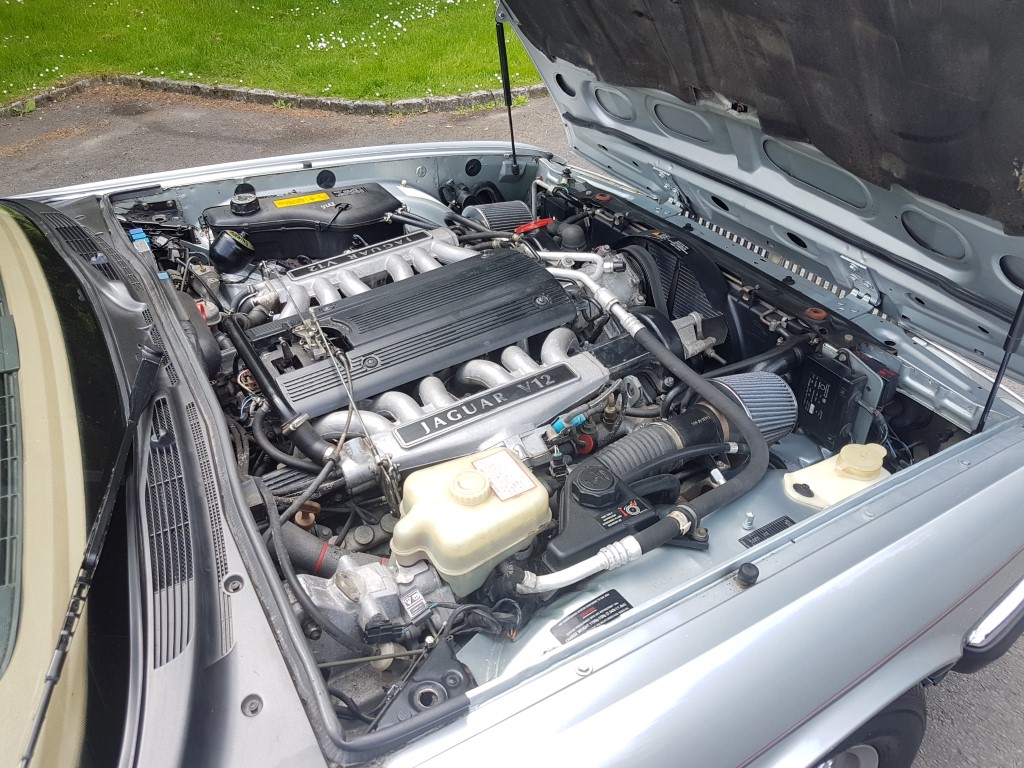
<point>1010,347</point>
<point>506,84</point>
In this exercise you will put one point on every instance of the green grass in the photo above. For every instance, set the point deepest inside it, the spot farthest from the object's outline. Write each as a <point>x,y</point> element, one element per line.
<point>349,48</point>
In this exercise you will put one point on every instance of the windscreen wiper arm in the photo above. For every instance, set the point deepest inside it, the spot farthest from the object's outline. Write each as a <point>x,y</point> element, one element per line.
<point>139,398</point>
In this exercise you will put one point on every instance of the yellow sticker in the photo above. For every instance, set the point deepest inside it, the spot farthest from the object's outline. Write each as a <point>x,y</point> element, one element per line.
<point>287,202</point>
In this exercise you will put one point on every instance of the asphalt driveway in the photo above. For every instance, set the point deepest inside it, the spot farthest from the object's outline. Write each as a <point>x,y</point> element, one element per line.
<point>112,132</point>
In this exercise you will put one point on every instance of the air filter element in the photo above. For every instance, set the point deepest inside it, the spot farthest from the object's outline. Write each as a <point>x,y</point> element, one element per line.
<point>767,399</point>
<point>501,217</point>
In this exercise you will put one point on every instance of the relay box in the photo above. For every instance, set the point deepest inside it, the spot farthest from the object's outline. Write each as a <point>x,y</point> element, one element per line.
<point>827,396</point>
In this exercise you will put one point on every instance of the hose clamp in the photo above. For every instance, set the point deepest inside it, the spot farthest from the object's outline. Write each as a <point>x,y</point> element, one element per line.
<point>684,516</point>
<point>290,426</point>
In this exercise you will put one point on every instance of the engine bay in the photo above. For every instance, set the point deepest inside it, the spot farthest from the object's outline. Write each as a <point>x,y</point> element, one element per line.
<point>481,419</point>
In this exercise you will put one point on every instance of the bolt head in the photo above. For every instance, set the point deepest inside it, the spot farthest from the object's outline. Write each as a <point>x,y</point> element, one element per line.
<point>252,705</point>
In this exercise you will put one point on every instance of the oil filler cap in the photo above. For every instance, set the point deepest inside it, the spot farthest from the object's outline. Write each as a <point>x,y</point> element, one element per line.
<point>470,488</point>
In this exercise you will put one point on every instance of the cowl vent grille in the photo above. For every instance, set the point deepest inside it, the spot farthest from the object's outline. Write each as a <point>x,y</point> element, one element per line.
<point>170,540</point>
<point>82,243</point>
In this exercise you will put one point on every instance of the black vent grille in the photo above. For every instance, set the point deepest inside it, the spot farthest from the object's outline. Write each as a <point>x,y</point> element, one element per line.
<point>10,483</point>
<point>158,340</point>
<point>170,540</point>
<point>680,286</point>
<point>82,243</point>
<point>215,510</point>
<point>10,515</point>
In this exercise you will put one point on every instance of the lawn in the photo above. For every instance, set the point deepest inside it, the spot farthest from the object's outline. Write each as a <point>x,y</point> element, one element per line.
<point>357,49</point>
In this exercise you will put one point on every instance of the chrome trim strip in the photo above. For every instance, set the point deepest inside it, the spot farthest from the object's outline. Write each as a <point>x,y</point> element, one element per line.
<point>996,618</point>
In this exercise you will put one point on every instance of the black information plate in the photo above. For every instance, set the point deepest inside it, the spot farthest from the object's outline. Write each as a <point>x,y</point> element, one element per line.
<point>599,611</point>
<point>483,404</point>
<point>386,245</point>
<point>766,531</point>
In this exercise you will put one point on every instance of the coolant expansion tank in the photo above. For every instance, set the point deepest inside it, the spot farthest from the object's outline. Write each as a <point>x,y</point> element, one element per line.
<point>467,515</point>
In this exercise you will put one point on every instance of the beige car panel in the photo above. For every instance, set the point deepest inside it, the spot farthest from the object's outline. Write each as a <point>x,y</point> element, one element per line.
<point>54,516</point>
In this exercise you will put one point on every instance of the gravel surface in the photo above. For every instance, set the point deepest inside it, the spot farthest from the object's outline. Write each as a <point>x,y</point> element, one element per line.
<point>975,720</point>
<point>114,131</point>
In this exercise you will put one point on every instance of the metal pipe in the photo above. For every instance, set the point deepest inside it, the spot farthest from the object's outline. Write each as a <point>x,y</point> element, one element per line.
<point>483,373</point>
<point>518,361</point>
<point>397,405</point>
<point>434,394</point>
<point>324,292</point>
<point>422,260</point>
<point>398,268</point>
<point>558,345</point>
<point>446,253</point>
<point>334,423</point>
<point>614,555</point>
<point>348,283</point>
<point>557,257</point>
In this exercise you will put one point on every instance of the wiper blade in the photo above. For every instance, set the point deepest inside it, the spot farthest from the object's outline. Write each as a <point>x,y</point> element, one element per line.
<point>140,396</point>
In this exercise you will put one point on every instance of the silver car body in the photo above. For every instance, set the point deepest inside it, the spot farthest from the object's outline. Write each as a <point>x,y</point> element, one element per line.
<point>855,604</point>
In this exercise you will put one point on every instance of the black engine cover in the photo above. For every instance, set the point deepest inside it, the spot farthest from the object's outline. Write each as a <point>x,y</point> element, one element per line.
<point>314,224</point>
<point>404,331</point>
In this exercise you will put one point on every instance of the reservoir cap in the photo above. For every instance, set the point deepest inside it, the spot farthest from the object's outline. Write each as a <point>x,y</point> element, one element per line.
<point>470,488</point>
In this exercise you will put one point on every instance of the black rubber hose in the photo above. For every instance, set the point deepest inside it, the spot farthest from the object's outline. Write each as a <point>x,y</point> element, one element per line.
<point>310,553</point>
<point>350,706</point>
<point>642,412</point>
<point>314,613</point>
<point>259,432</point>
<point>478,226</point>
<point>252,318</point>
<point>679,457</point>
<point>646,446</point>
<point>770,361</point>
<point>670,399</point>
<point>236,303</point>
<point>414,221</point>
<point>764,357</point>
<point>668,528</point>
<point>575,218</point>
<point>304,436</point>
<point>488,234</point>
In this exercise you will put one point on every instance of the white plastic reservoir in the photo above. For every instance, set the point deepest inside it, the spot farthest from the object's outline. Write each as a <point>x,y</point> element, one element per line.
<point>467,515</point>
<point>828,482</point>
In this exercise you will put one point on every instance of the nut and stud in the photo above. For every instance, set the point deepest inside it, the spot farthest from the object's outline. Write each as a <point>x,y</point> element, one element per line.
<point>748,522</point>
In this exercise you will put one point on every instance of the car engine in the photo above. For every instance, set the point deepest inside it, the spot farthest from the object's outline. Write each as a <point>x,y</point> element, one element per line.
<point>451,409</point>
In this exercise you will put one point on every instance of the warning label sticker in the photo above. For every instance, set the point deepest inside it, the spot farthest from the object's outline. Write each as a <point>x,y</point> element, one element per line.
<point>415,604</point>
<point>287,202</point>
<point>506,477</point>
<point>599,611</point>
<point>619,515</point>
